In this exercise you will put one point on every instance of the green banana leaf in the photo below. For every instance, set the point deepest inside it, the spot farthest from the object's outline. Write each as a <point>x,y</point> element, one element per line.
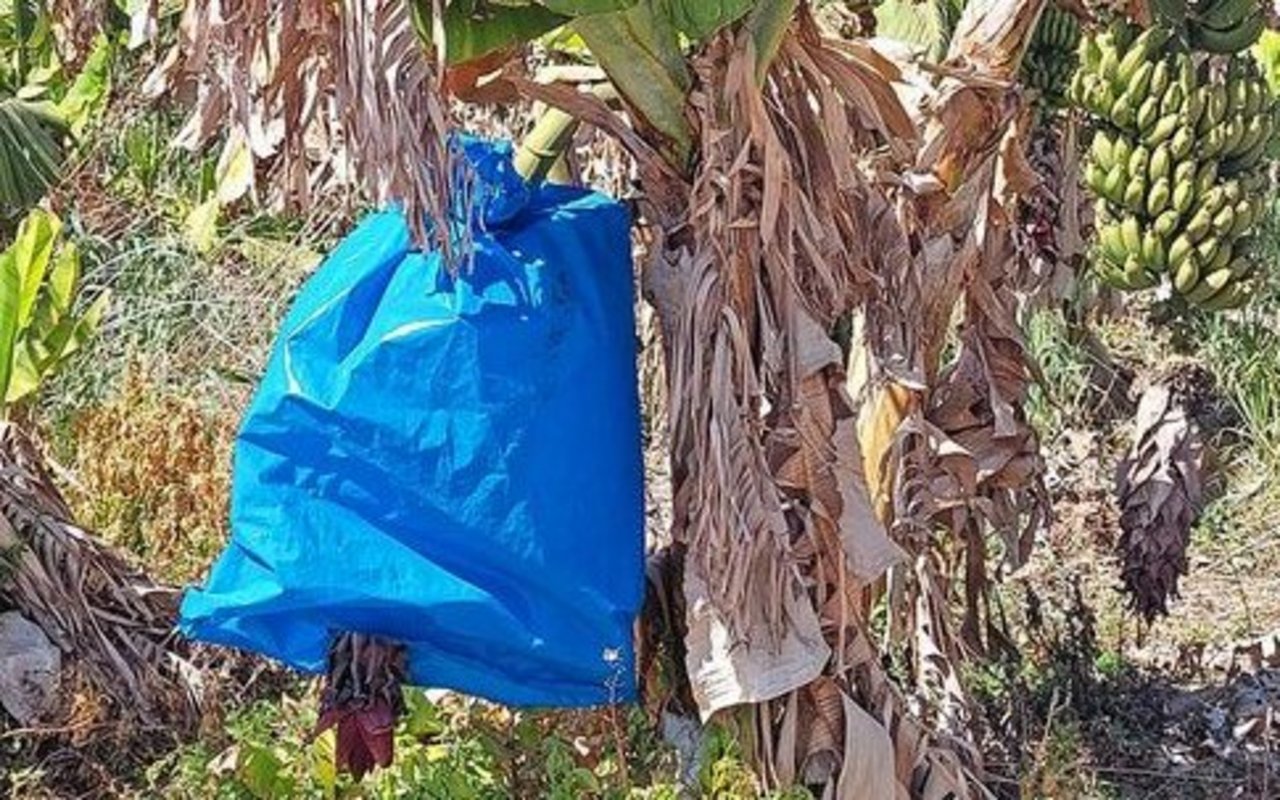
<point>87,96</point>
<point>928,25</point>
<point>31,135</point>
<point>39,330</point>
<point>475,28</point>
<point>639,49</point>
<point>698,19</point>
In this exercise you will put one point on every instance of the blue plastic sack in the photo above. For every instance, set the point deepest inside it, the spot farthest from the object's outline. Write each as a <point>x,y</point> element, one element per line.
<point>450,462</point>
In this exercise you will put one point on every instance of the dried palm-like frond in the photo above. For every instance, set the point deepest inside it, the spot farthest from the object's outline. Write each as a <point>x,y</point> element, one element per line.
<point>947,443</point>
<point>1160,491</point>
<point>771,505</point>
<point>321,94</point>
<point>115,624</point>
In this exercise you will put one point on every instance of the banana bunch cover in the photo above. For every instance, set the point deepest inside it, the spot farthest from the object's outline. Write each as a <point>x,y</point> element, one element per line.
<point>1176,162</point>
<point>1051,56</point>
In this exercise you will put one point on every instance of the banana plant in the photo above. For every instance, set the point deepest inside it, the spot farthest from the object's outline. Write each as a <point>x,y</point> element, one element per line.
<point>640,44</point>
<point>40,326</point>
<point>40,105</point>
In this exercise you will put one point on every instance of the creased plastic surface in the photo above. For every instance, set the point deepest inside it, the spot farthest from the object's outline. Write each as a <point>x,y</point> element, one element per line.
<point>453,463</point>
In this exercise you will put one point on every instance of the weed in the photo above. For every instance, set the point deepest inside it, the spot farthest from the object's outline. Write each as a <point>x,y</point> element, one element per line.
<point>153,468</point>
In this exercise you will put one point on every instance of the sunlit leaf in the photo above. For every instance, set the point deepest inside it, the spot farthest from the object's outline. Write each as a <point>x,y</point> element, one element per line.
<point>63,277</point>
<point>234,174</point>
<point>201,227</point>
<point>85,99</point>
<point>25,376</point>
<point>32,249</point>
<point>924,24</point>
<point>10,291</point>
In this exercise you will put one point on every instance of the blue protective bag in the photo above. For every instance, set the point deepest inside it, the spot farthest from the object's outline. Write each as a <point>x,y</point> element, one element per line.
<point>453,463</point>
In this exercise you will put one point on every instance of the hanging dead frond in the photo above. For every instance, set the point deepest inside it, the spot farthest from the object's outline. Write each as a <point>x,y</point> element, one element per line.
<point>940,366</point>
<point>1160,491</point>
<point>112,623</point>
<point>771,506</point>
<point>319,95</point>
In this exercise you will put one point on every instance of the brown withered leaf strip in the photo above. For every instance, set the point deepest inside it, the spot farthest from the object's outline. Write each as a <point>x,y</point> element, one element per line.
<point>114,623</point>
<point>1160,492</point>
<point>775,246</point>
<point>323,95</point>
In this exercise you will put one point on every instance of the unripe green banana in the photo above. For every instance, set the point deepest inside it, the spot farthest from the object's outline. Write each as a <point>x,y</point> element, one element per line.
<point>1186,69</point>
<point>1115,184</point>
<point>1102,149</point>
<point>1223,257</point>
<point>1185,171</point>
<point>1135,193</point>
<point>1179,249</point>
<point>1186,274</point>
<point>1206,177</point>
<point>1231,139</point>
<point>1139,159</point>
<point>1141,80</point>
<point>1172,100</point>
<point>1095,178</point>
<point>1184,194</point>
<point>1131,234</point>
<point>1199,225</point>
<point>1111,243</point>
<point>1243,217</point>
<point>1211,144</point>
<point>1210,284</point>
<point>1194,107</point>
<point>1137,276</point>
<point>1224,220</point>
<point>1217,107</point>
<point>1181,143</point>
<point>1160,77</point>
<point>1211,201</point>
<point>1254,131</point>
<point>1153,252</point>
<point>1161,164</point>
<point>1166,224</point>
<point>1207,248</point>
<point>1237,96</point>
<point>1255,92</point>
<point>1089,53</point>
<point>1141,51</point>
<point>1233,295</point>
<point>1249,159</point>
<point>1159,196</point>
<point>1148,114</point>
<point>1163,129</point>
<point>1121,149</point>
<point>1123,112</point>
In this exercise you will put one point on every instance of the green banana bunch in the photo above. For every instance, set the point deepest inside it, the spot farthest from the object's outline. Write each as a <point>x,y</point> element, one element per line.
<point>1224,26</point>
<point>1050,60</point>
<point>1177,159</point>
